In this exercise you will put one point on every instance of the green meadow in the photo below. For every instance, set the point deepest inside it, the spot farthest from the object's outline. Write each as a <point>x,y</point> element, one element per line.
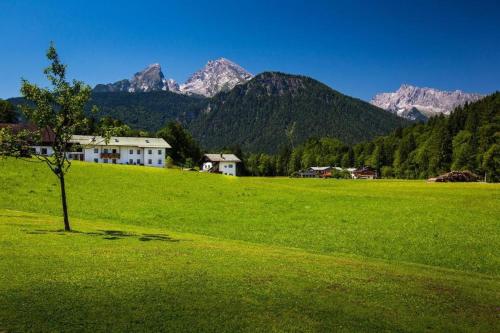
<point>156,249</point>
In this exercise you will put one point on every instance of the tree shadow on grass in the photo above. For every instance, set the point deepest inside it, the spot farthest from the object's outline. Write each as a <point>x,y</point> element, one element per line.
<point>107,234</point>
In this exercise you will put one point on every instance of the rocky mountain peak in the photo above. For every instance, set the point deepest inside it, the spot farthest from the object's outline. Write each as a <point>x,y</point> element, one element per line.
<point>149,79</point>
<point>418,103</point>
<point>217,75</point>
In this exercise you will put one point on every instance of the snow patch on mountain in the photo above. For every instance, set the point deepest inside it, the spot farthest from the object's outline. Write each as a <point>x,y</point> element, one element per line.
<point>217,75</point>
<point>415,103</point>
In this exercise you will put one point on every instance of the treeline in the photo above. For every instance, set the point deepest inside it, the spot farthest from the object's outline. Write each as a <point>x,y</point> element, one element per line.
<point>469,139</point>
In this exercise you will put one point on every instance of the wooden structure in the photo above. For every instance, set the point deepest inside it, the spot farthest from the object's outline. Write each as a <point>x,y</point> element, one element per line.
<point>364,173</point>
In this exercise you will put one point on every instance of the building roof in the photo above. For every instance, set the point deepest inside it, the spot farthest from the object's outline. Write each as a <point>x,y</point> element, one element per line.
<point>222,158</point>
<point>93,140</point>
<point>365,171</point>
<point>320,168</point>
<point>46,135</point>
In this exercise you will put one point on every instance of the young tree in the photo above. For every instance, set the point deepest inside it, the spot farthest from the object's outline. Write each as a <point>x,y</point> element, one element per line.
<point>59,110</point>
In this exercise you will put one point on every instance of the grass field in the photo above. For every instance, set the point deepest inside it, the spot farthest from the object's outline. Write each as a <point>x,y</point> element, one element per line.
<point>169,250</point>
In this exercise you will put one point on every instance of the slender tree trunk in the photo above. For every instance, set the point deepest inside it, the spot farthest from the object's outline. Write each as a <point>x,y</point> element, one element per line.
<point>64,204</point>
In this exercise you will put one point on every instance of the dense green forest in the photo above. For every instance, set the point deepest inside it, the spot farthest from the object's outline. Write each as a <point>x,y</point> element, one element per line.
<point>147,111</point>
<point>258,115</point>
<point>469,139</point>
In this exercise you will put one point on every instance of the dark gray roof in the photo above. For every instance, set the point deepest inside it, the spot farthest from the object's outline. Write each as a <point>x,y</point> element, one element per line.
<point>222,158</point>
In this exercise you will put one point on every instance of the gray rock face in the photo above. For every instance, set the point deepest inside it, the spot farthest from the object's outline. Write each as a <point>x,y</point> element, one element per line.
<point>218,75</point>
<point>415,103</point>
<point>150,79</point>
<point>122,85</point>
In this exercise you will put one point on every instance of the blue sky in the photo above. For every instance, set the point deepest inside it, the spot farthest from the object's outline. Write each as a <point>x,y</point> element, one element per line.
<point>357,47</point>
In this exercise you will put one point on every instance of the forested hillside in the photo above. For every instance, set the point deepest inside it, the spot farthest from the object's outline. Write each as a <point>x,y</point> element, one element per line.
<point>258,115</point>
<point>469,139</point>
<point>147,111</point>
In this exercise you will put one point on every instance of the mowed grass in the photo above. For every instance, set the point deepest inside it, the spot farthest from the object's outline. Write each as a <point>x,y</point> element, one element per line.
<point>165,250</point>
<point>446,225</point>
<point>109,277</point>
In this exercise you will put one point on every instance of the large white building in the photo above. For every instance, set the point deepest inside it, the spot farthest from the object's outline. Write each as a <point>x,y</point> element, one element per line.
<point>120,150</point>
<point>221,163</point>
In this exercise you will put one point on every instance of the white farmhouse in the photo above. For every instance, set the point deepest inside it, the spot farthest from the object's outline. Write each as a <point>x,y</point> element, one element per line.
<point>120,150</point>
<point>221,163</point>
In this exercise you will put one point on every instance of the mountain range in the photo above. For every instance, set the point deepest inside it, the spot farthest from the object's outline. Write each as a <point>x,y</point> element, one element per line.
<point>417,103</point>
<point>217,75</point>
<point>224,105</point>
<point>254,114</point>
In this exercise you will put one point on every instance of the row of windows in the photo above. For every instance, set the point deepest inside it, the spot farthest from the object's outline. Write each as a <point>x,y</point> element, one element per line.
<point>131,151</point>
<point>130,161</point>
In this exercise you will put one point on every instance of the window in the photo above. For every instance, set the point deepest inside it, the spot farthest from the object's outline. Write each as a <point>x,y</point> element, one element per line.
<point>159,162</point>
<point>150,161</point>
<point>131,152</point>
<point>150,151</point>
<point>105,160</point>
<point>105,150</point>
<point>230,166</point>
<point>138,161</point>
<point>96,160</point>
<point>138,151</point>
<point>225,166</point>
<point>114,151</point>
<point>159,151</point>
<point>96,150</point>
<point>131,161</point>
<point>43,151</point>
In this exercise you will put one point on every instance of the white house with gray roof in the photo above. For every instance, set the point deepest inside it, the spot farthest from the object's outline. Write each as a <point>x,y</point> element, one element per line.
<point>221,163</point>
<point>120,150</point>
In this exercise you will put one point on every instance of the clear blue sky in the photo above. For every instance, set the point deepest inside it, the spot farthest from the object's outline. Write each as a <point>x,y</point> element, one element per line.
<point>357,47</point>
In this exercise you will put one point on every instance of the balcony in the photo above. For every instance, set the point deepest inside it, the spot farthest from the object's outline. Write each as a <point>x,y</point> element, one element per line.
<point>110,155</point>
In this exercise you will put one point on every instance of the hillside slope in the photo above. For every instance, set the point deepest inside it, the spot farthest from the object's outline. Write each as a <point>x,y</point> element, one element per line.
<point>255,115</point>
<point>149,111</point>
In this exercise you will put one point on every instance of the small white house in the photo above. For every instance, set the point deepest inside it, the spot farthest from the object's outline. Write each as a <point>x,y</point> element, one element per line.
<point>221,163</point>
<point>120,150</point>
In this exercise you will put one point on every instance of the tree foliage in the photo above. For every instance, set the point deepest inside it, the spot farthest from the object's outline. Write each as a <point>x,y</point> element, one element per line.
<point>7,112</point>
<point>185,150</point>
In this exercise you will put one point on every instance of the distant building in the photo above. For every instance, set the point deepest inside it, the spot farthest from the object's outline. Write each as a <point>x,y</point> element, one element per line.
<point>120,150</point>
<point>316,172</point>
<point>41,145</point>
<point>364,173</point>
<point>91,148</point>
<point>226,164</point>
